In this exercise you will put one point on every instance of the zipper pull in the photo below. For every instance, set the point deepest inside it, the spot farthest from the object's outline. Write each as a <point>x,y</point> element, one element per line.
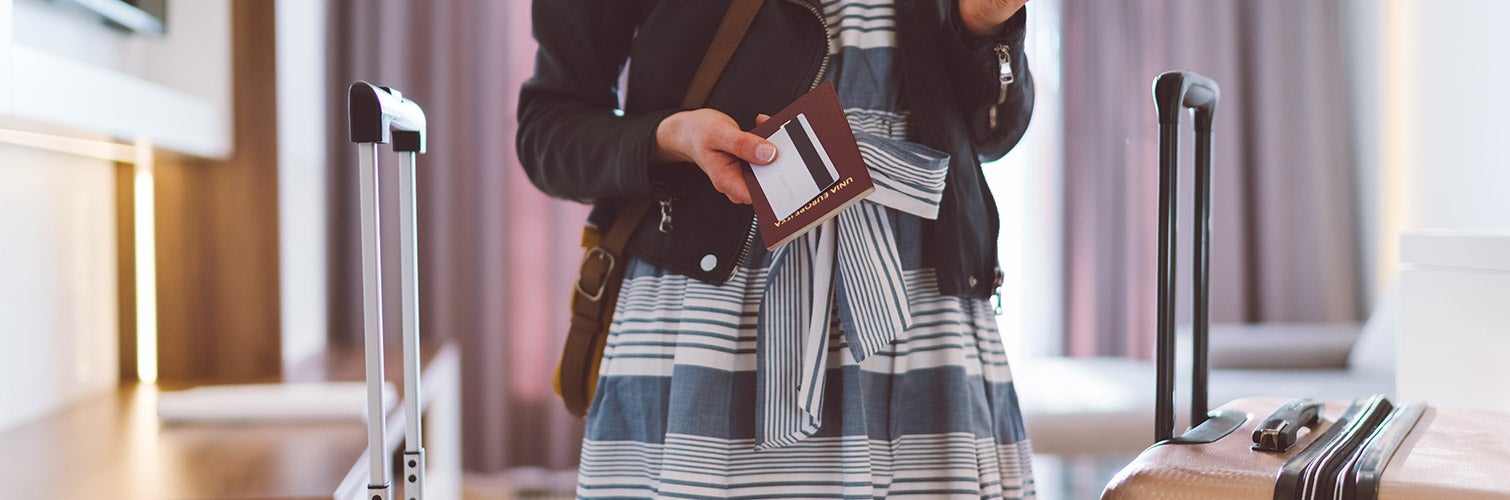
<point>996,290</point>
<point>666,226</point>
<point>1004,78</point>
<point>664,198</point>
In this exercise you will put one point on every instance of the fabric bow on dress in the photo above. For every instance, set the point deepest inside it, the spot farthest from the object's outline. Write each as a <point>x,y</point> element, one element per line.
<point>849,263</point>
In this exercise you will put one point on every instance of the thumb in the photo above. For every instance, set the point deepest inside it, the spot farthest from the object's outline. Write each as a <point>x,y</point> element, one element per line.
<point>750,147</point>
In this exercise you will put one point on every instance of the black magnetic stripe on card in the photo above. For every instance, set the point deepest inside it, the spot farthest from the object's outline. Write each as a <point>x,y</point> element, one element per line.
<point>809,154</point>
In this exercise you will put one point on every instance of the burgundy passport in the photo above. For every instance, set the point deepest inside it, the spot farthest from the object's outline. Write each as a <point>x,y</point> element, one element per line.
<point>817,171</point>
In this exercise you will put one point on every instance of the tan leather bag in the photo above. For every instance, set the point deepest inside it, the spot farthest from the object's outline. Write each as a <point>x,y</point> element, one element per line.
<point>603,262</point>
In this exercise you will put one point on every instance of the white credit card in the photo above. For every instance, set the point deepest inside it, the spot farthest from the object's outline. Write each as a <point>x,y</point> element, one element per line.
<point>801,171</point>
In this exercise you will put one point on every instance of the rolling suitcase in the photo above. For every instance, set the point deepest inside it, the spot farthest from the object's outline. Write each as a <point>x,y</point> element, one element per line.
<point>378,115</point>
<point>1260,448</point>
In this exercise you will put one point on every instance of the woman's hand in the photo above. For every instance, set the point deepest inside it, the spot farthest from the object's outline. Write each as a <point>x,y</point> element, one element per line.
<point>983,18</point>
<point>715,143</point>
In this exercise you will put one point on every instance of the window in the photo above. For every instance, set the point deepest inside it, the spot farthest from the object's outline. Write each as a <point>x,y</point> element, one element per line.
<point>1028,186</point>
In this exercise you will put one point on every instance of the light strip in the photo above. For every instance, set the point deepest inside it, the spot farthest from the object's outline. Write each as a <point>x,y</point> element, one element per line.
<point>1396,203</point>
<point>146,263</point>
<point>104,150</point>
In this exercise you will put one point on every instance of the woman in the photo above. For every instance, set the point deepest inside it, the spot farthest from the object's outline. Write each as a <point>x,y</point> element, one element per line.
<point>702,392</point>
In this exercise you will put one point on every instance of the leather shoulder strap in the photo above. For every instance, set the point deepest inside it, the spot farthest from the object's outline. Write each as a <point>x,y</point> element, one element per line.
<point>602,270</point>
<point>730,32</point>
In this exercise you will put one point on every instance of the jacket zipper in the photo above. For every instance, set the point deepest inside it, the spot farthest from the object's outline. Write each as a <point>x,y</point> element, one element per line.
<point>744,250</point>
<point>823,65</point>
<point>1004,77</point>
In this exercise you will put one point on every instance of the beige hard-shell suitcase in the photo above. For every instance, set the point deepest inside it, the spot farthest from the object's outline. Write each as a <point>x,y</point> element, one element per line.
<point>1258,448</point>
<point>1447,454</point>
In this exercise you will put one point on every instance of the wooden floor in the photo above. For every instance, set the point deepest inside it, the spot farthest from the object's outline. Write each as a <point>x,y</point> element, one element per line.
<point>499,486</point>
<point>115,446</point>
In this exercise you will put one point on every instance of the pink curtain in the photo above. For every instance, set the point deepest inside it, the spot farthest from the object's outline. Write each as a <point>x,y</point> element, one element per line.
<point>497,257</point>
<point>1285,238</point>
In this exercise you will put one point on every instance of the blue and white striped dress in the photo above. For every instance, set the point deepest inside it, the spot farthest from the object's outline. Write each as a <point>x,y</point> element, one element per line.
<point>681,404</point>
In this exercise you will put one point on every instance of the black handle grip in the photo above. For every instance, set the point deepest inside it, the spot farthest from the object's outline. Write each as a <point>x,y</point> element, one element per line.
<point>1277,433</point>
<point>1174,91</point>
<point>376,113</point>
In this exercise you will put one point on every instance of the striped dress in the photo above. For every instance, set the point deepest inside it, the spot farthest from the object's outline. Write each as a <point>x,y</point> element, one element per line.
<point>681,406</point>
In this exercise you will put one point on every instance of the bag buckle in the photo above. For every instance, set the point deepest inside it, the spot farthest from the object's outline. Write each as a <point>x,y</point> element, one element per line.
<point>598,253</point>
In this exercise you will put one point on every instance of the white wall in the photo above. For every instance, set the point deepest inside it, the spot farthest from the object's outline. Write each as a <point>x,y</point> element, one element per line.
<point>63,73</point>
<point>61,66</point>
<point>1460,174</point>
<point>1431,104</point>
<point>58,317</point>
<point>301,176</point>
<point>193,57</point>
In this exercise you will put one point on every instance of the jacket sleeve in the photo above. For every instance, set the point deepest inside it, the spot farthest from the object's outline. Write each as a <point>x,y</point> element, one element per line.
<point>976,67</point>
<point>572,140</point>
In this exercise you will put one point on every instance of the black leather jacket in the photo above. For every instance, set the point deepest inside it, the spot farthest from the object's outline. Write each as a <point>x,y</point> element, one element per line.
<point>574,144</point>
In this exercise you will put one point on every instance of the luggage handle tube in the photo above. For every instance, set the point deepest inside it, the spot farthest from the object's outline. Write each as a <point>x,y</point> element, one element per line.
<point>378,486</point>
<point>414,450</point>
<point>1164,348</point>
<point>1201,278</point>
<point>1174,92</point>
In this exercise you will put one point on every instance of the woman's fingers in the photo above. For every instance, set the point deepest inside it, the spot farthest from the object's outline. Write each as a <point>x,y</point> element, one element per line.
<point>714,141</point>
<point>982,18</point>
<point>726,173</point>
<point>748,147</point>
<point>726,146</point>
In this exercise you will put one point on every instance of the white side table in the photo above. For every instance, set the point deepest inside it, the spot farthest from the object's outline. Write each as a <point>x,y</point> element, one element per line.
<point>1454,344</point>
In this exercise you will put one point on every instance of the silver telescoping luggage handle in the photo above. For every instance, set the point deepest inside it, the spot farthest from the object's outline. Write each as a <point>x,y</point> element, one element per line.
<point>381,115</point>
<point>1173,93</point>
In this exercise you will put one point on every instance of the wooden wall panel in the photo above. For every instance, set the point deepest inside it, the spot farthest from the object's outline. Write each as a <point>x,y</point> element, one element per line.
<point>217,231</point>
<point>125,265</point>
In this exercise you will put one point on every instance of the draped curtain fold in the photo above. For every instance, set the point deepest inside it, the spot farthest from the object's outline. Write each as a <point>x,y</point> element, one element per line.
<point>496,256</point>
<point>1285,241</point>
